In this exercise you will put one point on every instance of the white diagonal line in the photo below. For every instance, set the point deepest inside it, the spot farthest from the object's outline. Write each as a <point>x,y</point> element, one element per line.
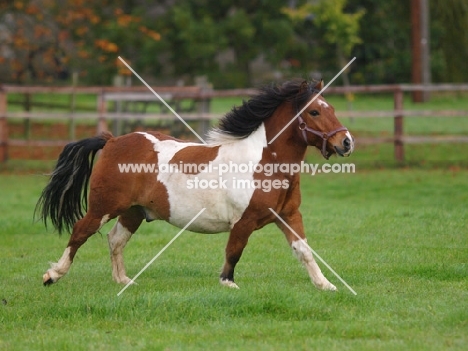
<point>316,254</point>
<point>160,252</point>
<point>311,101</point>
<point>162,100</point>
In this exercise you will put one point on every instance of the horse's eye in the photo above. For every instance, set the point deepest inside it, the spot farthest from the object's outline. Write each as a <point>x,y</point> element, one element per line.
<point>314,113</point>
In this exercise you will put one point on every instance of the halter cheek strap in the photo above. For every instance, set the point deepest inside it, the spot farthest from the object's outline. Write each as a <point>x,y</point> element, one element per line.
<point>325,136</point>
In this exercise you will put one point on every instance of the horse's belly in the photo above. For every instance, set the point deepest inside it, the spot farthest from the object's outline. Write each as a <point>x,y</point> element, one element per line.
<point>220,209</point>
<point>208,227</point>
<point>222,199</point>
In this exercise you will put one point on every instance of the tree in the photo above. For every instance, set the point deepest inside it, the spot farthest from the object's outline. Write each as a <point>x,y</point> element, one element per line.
<point>333,26</point>
<point>198,31</point>
<point>255,29</point>
<point>193,39</point>
<point>43,40</point>
<point>449,41</point>
<point>385,54</point>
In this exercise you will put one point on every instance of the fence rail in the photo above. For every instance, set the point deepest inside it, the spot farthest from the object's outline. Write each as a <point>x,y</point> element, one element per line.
<point>201,97</point>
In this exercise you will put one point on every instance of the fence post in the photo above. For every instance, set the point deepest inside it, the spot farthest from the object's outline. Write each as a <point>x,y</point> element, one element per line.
<point>102,109</point>
<point>203,105</point>
<point>3,127</point>
<point>27,121</point>
<point>72,122</point>
<point>398,126</point>
<point>116,123</point>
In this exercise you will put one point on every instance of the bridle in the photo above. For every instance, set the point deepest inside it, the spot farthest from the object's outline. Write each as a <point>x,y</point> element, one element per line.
<point>325,136</point>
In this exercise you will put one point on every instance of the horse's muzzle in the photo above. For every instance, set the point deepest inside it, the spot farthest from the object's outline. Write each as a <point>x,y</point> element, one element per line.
<point>347,146</point>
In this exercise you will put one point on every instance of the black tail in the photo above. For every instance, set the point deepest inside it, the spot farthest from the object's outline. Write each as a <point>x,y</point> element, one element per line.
<point>65,196</point>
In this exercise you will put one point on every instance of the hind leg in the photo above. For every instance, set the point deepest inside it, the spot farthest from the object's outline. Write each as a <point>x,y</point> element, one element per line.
<point>82,230</point>
<point>118,237</point>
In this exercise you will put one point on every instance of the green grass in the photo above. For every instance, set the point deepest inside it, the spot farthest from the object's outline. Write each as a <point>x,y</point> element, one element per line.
<point>398,237</point>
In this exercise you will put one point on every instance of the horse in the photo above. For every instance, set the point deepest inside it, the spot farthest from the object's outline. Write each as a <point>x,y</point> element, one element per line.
<point>252,135</point>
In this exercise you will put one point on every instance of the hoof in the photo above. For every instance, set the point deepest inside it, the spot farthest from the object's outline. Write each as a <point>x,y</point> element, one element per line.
<point>228,283</point>
<point>326,287</point>
<point>47,279</point>
<point>127,281</point>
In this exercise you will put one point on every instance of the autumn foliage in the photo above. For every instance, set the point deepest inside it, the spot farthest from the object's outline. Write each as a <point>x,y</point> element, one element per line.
<point>40,40</point>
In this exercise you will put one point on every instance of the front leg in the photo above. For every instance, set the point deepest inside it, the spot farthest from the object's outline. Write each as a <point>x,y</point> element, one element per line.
<point>238,239</point>
<point>298,242</point>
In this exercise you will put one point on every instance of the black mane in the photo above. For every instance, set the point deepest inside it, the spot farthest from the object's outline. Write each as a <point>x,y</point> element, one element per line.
<point>242,120</point>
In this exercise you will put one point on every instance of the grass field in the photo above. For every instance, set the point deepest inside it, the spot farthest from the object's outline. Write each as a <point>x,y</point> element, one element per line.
<point>399,237</point>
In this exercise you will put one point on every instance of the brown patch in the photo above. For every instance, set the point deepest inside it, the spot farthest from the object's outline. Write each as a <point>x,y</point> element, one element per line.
<point>195,155</point>
<point>112,190</point>
<point>284,196</point>
<point>132,218</point>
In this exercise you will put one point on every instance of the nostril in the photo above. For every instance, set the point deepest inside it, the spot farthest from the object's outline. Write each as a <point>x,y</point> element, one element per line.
<point>347,143</point>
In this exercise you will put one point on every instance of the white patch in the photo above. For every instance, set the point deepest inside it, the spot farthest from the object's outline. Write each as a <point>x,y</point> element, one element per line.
<point>303,253</point>
<point>348,135</point>
<point>104,220</point>
<point>351,148</point>
<point>224,204</point>
<point>217,136</point>
<point>228,283</point>
<point>118,238</point>
<point>59,269</point>
<point>322,103</point>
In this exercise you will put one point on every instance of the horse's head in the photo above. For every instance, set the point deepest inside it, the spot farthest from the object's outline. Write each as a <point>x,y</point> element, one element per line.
<point>319,125</point>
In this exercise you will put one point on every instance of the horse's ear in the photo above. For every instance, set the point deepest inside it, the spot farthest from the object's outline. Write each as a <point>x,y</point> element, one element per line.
<point>304,86</point>
<point>319,85</point>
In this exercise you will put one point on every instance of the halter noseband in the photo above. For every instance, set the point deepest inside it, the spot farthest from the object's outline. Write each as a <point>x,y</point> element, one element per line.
<point>325,136</point>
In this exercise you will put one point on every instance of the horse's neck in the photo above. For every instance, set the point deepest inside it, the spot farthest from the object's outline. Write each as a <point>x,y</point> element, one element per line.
<point>284,152</point>
<point>253,144</point>
<point>285,149</point>
<point>247,149</point>
<point>288,146</point>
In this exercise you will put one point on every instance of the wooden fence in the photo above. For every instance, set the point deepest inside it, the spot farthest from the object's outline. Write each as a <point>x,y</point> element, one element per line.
<point>201,96</point>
